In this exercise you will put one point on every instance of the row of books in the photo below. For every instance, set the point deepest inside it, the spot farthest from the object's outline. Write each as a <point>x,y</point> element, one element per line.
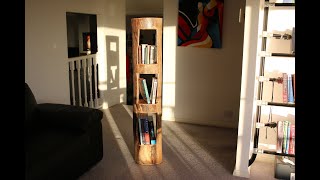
<point>147,54</point>
<point>147,134</point>
<point>151,97</point>
<point>288,88</point>
<point>285,137</point>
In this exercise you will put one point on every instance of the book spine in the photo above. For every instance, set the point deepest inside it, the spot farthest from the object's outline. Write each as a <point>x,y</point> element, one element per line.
<point>285,126</point>
<point>143,53</point>
<point>152,54</point>
<point>292,139</point>
<point>293,39</point>
<point>147,54</point>
<point>154,90</point>
<point>294,87</point>
<point>146,131</point>
<point>139,55</point>
<point>152,134</point>
<point>290,89</point>
<point>285,88</point>
<point>288,137</point>
<point>140,131</point>
<point>144,90</point>
<point>279,136</point>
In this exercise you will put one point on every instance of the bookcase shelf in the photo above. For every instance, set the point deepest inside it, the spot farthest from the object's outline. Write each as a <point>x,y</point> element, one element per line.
<point>146,152</point>
<point>266,103</point>
<point>283,140</point>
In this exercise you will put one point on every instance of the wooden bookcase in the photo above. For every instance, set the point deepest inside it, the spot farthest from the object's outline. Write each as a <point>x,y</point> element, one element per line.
<point>147,154</point>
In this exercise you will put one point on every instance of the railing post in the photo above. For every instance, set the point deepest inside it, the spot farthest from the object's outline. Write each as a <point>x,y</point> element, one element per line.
<point>84,67</point>
<point>96,100</point>
<point>79,81</point>
<point>90,81</point>
<point>71,67</point>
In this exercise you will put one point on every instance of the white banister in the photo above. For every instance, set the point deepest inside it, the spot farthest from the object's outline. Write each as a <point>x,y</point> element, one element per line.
<point>86,81</point>
<point>79,81</point>
<point>71,67</point>
<point>96,100</point>
<point>90,81</point>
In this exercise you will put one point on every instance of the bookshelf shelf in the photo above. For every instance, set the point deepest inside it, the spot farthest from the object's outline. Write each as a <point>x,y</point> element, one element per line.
<point>270,54</point>
<point>263,151</point>
<point>265,103</point>
<point>272,4</point>
<point>285,128</point>
<point>147,137</point>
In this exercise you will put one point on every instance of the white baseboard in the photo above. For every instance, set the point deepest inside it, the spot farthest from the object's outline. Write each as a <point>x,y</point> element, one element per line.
<point>240,173</point>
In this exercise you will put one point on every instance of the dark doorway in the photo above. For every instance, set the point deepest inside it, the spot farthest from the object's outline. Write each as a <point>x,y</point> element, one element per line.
<point>81,34</point>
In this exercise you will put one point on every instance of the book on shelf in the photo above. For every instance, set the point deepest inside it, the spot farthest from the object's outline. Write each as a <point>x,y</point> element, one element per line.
<point>141,131</point>
<point>285,87</point>
<point>294,87</point>
<point>153,53</point>
<point>143,53</point>
<point>288,137</point>
<point>154,87</point>
<point>146,130</point>
<point>139,55</point>
<point>152,132</point>
<point>144,90</point>
<point>279,136</point>
<point>147,54</point>
<point>293,39</point>
<point>290,89</point>
<point>292,139</point>
<point>284,145</point>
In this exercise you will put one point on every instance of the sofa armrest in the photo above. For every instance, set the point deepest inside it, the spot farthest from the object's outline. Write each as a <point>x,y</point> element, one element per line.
<point>62,115</point>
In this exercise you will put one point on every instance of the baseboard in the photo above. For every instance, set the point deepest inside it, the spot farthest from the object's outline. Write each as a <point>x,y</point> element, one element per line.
<point>240,173</point>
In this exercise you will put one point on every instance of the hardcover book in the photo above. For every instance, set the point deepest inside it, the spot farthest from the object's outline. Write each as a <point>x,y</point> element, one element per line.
<point>152,133</point>
<point>154,88</point>
<point>143,53</point>
<point>290,89</point>
<point>285,88</point>
<point>144,90</point>
<point>146,131</point>
<point>292,139</point>
<point>140,131</point>
<point>153,54</point>
<point>143,140</point>
<point>279,136</point>
<point>285,136</point>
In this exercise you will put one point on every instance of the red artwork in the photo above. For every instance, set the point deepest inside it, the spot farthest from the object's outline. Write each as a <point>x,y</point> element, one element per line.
<point>200,23</point>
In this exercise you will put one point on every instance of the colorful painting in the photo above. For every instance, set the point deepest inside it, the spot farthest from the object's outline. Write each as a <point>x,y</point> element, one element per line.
<point>200,23</point>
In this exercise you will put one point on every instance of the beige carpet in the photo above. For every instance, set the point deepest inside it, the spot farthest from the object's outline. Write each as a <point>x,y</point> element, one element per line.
<point>189,152</point>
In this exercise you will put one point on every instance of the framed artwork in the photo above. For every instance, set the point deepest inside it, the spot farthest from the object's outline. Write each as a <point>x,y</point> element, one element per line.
<point>200,23</point>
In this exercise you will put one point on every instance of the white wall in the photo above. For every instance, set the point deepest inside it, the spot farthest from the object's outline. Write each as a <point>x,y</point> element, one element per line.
<point>46,68</point>
<point>135,7</point>
<point>202,85</point>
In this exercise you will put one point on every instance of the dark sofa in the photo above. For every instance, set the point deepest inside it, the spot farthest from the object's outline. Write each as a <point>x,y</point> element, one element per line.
<point>61,141</point>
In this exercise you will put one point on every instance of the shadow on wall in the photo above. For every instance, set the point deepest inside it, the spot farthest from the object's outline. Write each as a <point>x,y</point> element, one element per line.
<point>113,94</point>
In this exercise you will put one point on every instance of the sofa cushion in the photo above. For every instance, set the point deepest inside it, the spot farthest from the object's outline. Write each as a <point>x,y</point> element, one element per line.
<point>46,150</point>
<point>67,116</point>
